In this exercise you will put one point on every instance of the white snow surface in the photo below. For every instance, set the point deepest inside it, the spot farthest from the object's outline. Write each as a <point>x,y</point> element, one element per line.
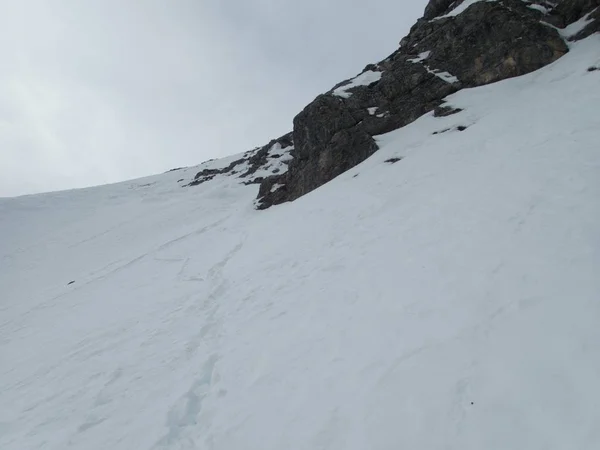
<point>539,8</point>
<point>443,75</point>
<point>461,8</point>
<point>575,27</point>
<point>447,301</point>
<point>364,79</point>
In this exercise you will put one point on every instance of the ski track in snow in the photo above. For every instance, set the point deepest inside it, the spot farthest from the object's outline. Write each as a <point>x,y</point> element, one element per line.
<point>448,301</point>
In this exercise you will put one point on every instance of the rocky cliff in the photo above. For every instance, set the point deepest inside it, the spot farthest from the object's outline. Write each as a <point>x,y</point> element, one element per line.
<point>455,45</point>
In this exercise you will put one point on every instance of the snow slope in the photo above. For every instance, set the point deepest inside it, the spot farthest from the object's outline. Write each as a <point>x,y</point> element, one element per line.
<point>450,300</point>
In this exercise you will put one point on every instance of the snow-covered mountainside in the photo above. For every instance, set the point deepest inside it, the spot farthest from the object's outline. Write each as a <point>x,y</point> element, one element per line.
<point>443,294</point>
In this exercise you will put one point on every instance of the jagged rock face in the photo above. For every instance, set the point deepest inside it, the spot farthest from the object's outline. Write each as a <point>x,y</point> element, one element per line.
<point>572,10</point>
<point>438,57</point>
<point>334,133</point>
<point>480,46</point>
<point>567,12</point>
<point>436,8</point>
<point>444,52</point>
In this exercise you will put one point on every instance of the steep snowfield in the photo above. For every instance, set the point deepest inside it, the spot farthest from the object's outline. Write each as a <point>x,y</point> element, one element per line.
<point>448,301</point>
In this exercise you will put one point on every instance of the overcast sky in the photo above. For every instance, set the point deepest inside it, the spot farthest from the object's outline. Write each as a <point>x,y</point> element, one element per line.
<point>97,91</point>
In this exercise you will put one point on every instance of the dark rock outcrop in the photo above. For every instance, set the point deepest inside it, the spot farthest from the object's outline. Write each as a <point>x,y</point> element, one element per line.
<point>393,160</point>
<point>261,156</point>
<point>252,161</point>
<point>479,45</point>
<point>573,10</point>
<point>208,174</point>
<point>440,55</point>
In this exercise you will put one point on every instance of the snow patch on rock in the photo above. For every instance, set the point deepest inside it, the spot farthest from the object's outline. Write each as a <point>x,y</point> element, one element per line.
<point>364,79</point>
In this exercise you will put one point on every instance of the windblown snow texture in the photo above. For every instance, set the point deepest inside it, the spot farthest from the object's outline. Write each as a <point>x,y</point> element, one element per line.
<point>446,301</point>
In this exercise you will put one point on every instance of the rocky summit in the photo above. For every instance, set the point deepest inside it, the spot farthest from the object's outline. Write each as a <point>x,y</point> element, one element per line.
<point>455,45</point>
